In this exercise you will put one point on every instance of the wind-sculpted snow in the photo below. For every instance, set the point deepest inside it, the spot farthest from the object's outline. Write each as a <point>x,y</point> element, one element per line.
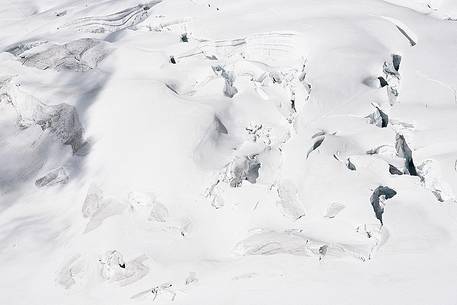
<point>404,30</point>
<point>22,47</point>
<point>61,120</point>
<point>228,152</point>
<point>114,268</point>
<point>156,210</point>
<point>431,178</point>
<point>110,266</point>
<point>234,173</point>
<point>56,176</point>
<point>289,201</point>
<point>93,201</point>
<point>109,207</point>
<point>113,22</point>
<point>334,209</point>
<point>79,55</point>
<point>445,9</point>
<point>297,243</point>
<point>276,49</point>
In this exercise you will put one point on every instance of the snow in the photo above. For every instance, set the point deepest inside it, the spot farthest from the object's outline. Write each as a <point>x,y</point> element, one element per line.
<point>228,152</point>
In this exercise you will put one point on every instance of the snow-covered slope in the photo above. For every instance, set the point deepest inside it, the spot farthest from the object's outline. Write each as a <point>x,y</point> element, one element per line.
<point>228,152</point>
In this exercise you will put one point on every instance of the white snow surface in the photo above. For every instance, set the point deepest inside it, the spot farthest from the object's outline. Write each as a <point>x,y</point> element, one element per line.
<point>228,152</point>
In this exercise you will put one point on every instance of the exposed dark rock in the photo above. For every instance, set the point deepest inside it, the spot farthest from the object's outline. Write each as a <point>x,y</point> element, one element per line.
<point>394,171</point>
<point>172,87</point>
<point>403,151</point>
<point>315,145</point>
<point>396,60</point>
<point>411,41</point>
<point>392,66</point>
<point>382,81</point>
<point>292,105</point>
<point>384,118</point>
<point>61,13</point>
<point>184,37</point>
<point>351,165</point>
<point>375,82</point>
<point>378,118</point>
<point>381,194</point>
<point>318,143</point>
<point>437,194</point>
<point>275,77</point>
<point>323,250</point>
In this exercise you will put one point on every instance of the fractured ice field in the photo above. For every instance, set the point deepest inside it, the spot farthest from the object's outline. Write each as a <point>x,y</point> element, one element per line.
<point>228,152</point>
